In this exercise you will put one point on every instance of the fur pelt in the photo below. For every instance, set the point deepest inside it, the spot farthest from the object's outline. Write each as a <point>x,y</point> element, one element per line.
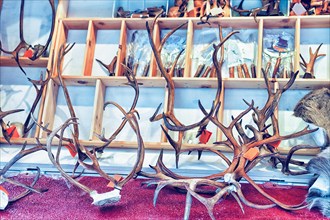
<point>314,108</point>
<point>319,191</point>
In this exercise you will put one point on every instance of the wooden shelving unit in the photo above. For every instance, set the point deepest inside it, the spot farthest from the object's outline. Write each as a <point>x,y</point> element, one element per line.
<point>86,78</point>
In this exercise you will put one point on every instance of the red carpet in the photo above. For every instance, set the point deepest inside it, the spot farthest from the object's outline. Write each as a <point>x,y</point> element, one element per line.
<point>61,202</point>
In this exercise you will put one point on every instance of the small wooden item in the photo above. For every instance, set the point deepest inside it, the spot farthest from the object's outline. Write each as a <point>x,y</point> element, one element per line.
<point>232,72</point>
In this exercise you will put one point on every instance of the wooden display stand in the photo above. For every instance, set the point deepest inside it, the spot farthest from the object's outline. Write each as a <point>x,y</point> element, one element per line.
<point>86,78</point>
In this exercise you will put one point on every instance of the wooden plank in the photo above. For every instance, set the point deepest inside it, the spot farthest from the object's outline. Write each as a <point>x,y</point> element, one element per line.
<point>189,47</point>
<point>137,24</point>
<point>306,83</point>
<point>80,80</point>
<point>225,22</point>
<point>165,107</point>
<point>121,49</point>
<point>232,83</point>
<point>49,106</point>
<point>76,23</point>
<point>319,21</point>
<point>279,22</point>
<point>221,112</point>
<point>149,145</point>
<point>61,12</point>
<point>276,87</point>
<point>62,9</point>
<point>156,38</point>
<point>89,50</point>
<point>41,110</point>
<point>260,48</point>
<point>106,24</point>
<point>296,55</point>
<point>60,40</point>
<point>24,61</point>
<point>96,124</point>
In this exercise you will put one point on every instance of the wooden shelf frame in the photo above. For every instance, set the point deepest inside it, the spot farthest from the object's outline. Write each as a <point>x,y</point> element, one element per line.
<point>92,25</point>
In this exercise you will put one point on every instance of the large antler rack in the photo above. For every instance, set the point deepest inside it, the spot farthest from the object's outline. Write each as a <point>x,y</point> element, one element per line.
<point>309,67</point>
<point>169,115</point>
<point>28,188</point>
<point>83,152</point>
<point>227,181</point>
<point>38,50</point>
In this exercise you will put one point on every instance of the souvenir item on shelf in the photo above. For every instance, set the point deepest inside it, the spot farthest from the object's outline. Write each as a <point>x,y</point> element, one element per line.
<point>309,7</point>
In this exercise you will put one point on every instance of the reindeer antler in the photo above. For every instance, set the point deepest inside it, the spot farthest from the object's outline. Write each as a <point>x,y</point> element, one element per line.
<point>309,67</point>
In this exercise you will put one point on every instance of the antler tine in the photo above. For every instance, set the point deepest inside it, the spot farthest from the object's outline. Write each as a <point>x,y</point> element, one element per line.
<point>44,128</point>
<point>140,155</point>
<point>134,84</point>
<point>39,53</point>
<point>286,168</point>
<point>175,62</point>
<point>56,163</point>
<point>309,70</point>
<point>272,199</point>
<point>100,200</point>
<point>155,20</point>
<point>42,83</point>
<point>28,191</point>
<point>209,203</point>
<point>188,127</point>
<point>64,50</point>
<point>303,63</point>
<point>6,113</point>
<point>247,202</point>
<point>175,144</point>
<point>280,138</point>
<point>155,116</point>
<point>168,35</point>
<point>22,153</point>
<point>241,132</point>
<point>290,82</point>
<point>156,168</point>
<point>268,87</point>
<point>20,184</point>
<point>156,53</point>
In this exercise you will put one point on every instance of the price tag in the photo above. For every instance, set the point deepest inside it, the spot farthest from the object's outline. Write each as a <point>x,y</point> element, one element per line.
<point>251,154</point>
<point>3,198</point>
<point>205,136</point>
<point>118,178</point>
<point>275,144</point>
<point>13,130</point>
<point>28,53</point>
<point>71,149</point>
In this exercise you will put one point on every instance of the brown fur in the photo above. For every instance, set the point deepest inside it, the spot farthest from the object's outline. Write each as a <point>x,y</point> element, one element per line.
<point>315,108</point>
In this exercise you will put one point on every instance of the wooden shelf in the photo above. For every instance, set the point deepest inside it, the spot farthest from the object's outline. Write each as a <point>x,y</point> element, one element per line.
<point>321,21</point>
<point>184,82</point>
<point>148,145</point>
<point>123,25</point>
<point>24,61</point>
